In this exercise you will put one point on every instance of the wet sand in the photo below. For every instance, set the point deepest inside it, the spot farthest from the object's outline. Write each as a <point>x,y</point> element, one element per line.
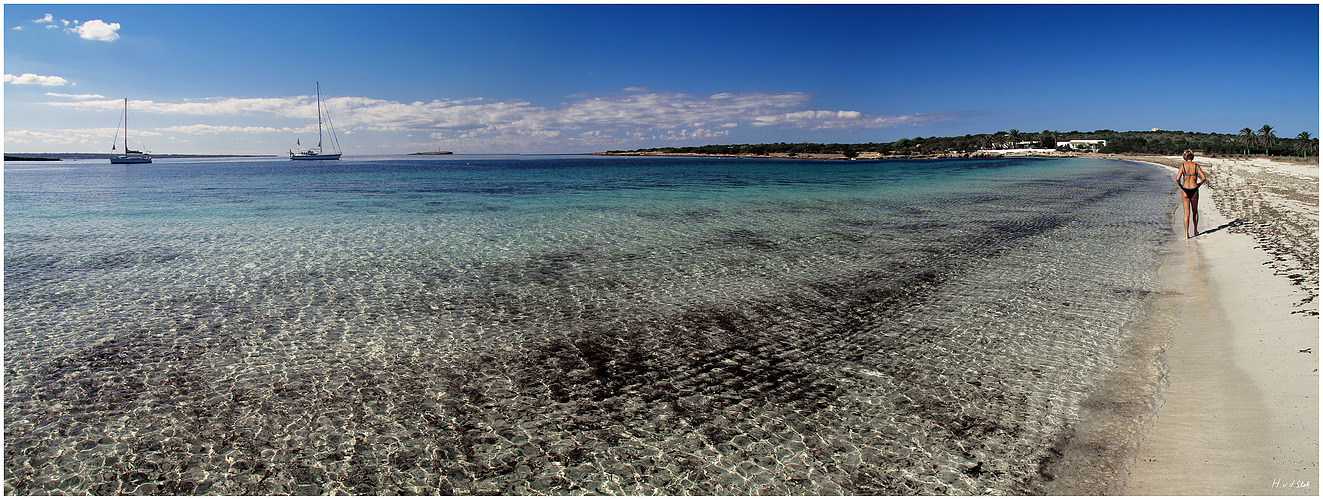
<point>1240,415</point>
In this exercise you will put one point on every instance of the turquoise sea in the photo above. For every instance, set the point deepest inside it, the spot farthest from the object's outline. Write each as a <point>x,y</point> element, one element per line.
<point>572,324</point>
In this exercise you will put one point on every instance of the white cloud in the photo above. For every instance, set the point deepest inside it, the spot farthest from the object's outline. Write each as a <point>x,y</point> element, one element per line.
<point>76,96</point>
<point>97,30</point>
<point>686,134</point>
<point>232,106</point>
<point>468,116</point>
<point>98,137</point>
<point>287,106</point>
<point>824,120</point>
<point>17,28</point>
<point>220,129</point>
<point>616,120</point>
<point>680,114</point>
<point>32,79</point>
<point>671,110</point>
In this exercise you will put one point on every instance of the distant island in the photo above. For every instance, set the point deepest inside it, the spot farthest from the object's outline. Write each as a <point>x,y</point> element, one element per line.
<point>29,158</point>
<point>433,153</point>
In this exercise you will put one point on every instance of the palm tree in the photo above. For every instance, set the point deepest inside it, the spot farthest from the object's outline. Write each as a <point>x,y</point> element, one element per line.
<point>1248,135</point>
<point>1266,134</point>
<point>1047,140</point>
<point>1015,138</point>
<point>1305,144</point>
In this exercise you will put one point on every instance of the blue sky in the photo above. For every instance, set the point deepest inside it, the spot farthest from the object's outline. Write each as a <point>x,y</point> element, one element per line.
<point>580,78</point>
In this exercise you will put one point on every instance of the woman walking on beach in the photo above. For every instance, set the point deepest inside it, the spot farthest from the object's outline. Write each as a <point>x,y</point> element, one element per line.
<point>1189,177</point>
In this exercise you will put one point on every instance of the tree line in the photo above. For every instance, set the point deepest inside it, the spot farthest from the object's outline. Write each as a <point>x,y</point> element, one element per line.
<point>1249,142</point>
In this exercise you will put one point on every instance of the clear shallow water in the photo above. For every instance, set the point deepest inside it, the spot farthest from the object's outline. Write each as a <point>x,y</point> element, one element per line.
<point>564,324</point>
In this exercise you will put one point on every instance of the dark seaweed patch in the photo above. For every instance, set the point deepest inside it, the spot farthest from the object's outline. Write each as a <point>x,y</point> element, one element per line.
<point>683,215</point>
<point>744,238</point>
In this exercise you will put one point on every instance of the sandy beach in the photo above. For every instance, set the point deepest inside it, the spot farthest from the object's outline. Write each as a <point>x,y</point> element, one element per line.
<point>1240,412</point>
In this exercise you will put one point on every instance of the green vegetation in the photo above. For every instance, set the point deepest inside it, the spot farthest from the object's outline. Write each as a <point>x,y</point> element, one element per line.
<point>1158,142</point>
<point>29,158</point>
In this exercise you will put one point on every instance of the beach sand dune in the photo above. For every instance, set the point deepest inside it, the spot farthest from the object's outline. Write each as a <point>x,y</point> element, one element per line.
<point>1240,415</point>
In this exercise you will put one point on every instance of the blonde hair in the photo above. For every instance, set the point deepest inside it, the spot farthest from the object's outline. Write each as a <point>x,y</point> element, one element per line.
<point>1189,155</point>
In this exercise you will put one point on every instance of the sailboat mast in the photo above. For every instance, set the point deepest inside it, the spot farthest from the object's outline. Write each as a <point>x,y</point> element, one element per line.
<point>319,117</point>
<point>126,125</point>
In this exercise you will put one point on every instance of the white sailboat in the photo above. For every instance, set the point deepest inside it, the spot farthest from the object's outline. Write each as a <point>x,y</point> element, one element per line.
<point>318,153</point>
<point>129,156</point>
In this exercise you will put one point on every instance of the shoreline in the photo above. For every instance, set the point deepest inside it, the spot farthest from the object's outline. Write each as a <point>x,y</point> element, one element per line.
<point>1019,153</point>
<point>1240,405</point>
<point>1169,161</point>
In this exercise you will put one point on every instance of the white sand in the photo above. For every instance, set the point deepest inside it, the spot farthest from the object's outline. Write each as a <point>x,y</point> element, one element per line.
<point>1241,409</point>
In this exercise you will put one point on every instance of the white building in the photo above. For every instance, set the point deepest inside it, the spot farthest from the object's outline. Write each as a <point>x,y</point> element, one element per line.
<point>1094,144</point>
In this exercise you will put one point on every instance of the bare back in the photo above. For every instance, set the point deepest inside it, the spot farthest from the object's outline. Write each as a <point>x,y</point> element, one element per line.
<point>1191,175</point>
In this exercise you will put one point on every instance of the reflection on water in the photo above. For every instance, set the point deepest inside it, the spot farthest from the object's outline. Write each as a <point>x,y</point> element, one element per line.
<point>566,326</point>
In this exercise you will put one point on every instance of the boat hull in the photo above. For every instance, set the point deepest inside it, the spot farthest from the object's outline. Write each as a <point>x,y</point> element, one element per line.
<point>331,156</point>
<point>130,159</point>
